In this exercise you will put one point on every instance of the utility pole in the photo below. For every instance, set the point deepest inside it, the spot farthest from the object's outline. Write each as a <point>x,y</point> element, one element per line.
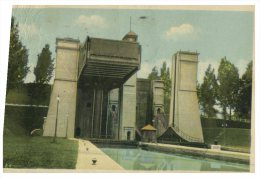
<point>56,122</point>
<point>67,125</point>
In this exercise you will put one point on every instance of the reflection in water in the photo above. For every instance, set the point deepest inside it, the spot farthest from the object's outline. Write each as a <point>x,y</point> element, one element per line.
<point>138,159</point>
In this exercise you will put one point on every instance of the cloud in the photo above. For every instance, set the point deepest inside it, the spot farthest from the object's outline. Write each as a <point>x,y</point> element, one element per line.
<point>28,31</point>
<point>90,21</point>
<point>182,30</point>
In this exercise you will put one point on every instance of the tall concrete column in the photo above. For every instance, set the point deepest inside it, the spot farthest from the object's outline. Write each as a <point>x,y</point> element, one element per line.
<point>64,86</point>
<point>184,110</point>
<point>112,119</point>
<point>128,109</point>
<point>97,117</point>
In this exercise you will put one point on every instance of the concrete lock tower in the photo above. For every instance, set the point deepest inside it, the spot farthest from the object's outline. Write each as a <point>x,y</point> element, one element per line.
<point>62,107</point>
<point>94,90</point>
<point>184,111</point>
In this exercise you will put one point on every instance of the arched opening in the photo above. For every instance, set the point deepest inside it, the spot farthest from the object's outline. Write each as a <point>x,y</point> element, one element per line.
<point>113,108</point>
<point>158,110</point>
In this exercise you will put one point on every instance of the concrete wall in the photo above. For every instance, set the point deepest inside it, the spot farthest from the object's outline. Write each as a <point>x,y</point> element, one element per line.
<point>65,85</point>
<point>128,108</point>
<point>113,116</point>
<point>84,112</point>
<point>143,103</point>
<point>158,96</point>
<point>184,111</point>
<point>158,105</point>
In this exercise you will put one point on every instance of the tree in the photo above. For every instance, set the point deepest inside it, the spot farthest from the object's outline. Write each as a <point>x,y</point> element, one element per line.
<point>154,74</point>
<point>43,73</point>
<point>165,77</point>
<point>207,93</point>
<point>243,107</point>
<point>44,68</point>
<point>228,79</point>
<point>18,58</point>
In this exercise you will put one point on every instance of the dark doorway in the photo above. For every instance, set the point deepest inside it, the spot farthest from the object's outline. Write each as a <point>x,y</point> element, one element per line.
<point>113,108</point>
<point>158,110</point>
<point>128,135</point>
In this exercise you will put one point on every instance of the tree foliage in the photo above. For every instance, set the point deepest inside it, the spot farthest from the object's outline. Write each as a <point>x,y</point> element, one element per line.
<point>207,93</point>
<point>165,77</point>
<point>228,79</point>
<point>18,58</point>
<point>243,104</point>
<point>154,75</point>
<point>43,73</point>
<point>231,93</point>
<point>44,68</point>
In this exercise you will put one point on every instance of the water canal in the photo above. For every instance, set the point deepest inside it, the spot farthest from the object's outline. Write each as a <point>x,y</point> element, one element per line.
<point>138,159</point>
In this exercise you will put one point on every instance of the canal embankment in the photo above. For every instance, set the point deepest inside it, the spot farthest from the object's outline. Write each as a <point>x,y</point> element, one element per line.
<point>201,152</point>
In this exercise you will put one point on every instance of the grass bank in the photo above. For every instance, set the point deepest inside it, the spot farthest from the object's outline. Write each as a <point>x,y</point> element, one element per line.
<point>24,151</point>
<point>230,138</point>
<point>39,152</point>
<point>22,120</point>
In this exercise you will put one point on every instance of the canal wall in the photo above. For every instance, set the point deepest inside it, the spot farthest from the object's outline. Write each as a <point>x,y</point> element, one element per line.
<point>201,152</point>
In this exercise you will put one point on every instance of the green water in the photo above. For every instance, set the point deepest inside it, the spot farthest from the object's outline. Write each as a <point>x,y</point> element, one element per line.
<point>138,159</point>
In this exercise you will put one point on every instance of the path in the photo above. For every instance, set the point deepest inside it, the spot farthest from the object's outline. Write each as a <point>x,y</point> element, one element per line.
<point>87,151</point>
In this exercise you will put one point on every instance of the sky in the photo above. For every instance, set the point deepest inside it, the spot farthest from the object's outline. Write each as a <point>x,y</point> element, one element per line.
<point>161,33</point>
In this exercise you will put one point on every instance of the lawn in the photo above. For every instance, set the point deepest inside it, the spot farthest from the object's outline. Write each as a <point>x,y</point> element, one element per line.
<point>23,151</point>
<point>39,152</point>
<point>236,138</point>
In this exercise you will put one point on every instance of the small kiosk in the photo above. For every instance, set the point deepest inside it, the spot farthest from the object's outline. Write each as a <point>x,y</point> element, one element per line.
<point>148,133</point>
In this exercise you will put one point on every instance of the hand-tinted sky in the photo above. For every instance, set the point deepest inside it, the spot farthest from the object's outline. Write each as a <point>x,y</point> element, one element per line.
<point>161,33</point>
